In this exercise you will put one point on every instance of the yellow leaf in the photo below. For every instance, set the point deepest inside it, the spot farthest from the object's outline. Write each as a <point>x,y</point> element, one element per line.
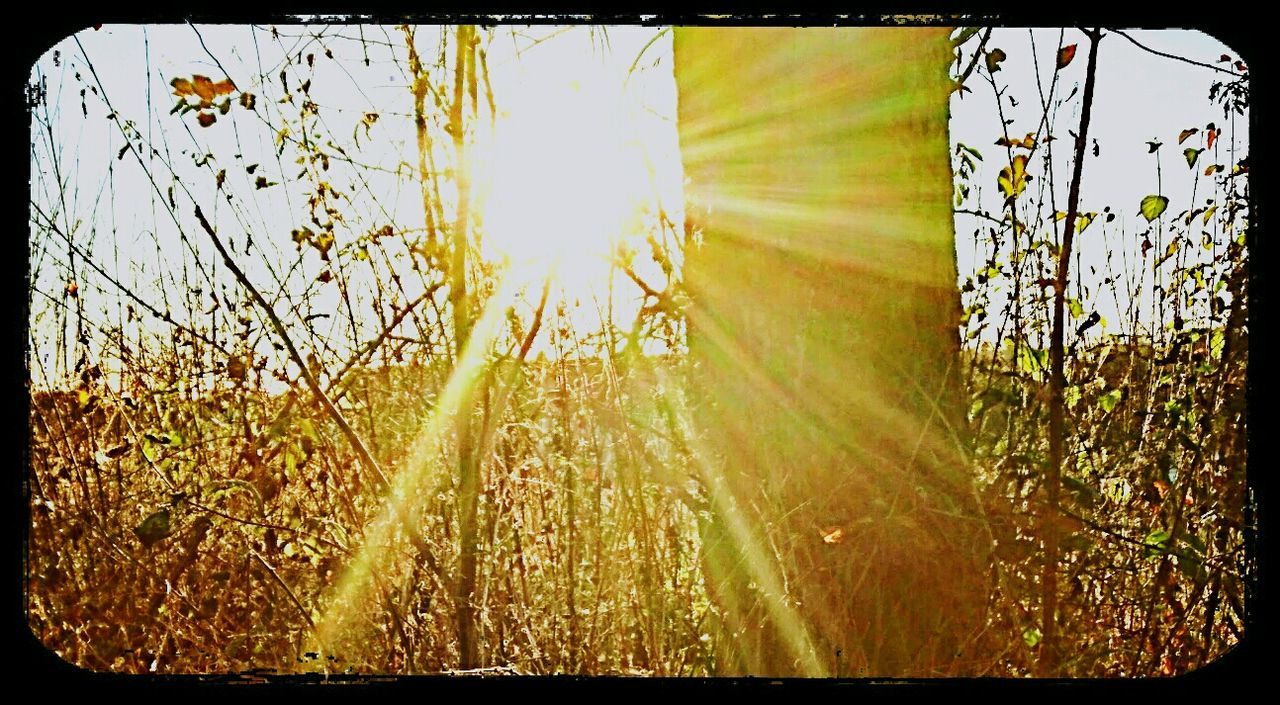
<point>832,535</point>
<point>1013,178</point>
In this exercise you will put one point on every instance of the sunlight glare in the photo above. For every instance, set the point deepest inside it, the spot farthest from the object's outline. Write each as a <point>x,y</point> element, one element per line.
<point>562,180</point>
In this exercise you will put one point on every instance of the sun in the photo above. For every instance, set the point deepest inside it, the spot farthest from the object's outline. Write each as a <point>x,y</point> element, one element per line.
<point>557,183</point>
<point>569,168</point>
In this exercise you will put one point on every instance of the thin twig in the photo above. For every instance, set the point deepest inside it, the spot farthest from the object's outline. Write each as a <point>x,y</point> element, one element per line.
<point>280,581</point>
<point>1175,57</point>
<point>976,55</point>
<point>361,450</point>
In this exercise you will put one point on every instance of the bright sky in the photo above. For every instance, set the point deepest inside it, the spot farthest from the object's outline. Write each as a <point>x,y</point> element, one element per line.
<point>578,148</point>
<point>1138,97</point>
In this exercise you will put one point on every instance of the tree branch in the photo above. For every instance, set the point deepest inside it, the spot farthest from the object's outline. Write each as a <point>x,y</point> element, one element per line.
<point>1175,57</point>
<point>1048,660</point>
<point>314,385</point>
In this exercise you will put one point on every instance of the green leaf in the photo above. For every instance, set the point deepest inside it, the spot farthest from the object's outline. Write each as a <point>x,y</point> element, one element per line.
<point>965,34</point>
<point>1217,342</point>
<point>970,150</point>
<point>1083,220</point>
<point>1071,395</point>
<point>1109,400</point>
<point>1077,308</point>
<point>1158,538</point>
<point>994,57</point>
<point>1031,635</point>
<point>1153,206</point>
<point>308,430</point>
<point>1192,155</point>
<point>153,528</point>
<point>1032,360</point>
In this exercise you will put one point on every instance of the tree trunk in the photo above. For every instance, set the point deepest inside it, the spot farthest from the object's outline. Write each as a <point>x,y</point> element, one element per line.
<point>468,462</point>
<point>843,534</point>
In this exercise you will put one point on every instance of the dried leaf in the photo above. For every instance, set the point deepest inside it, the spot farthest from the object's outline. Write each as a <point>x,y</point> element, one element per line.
<point>832,535</point>
<point>206,119</point>
<point>203,87</point>
<point>994,57</point>
<point>182,87</point>
<point>1065,55</point>
<point>1182,136</point>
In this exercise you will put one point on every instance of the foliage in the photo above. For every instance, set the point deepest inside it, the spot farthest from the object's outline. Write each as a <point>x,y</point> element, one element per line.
<point>193,505</point>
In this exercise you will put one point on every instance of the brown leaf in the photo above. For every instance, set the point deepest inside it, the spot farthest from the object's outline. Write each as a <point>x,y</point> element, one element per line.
<point>247,100</point>
<point>1065,55</point>
<point>203,87</point>
<point>832,535</point>
<point>994,57</point>
<point>182,87</point>
<point>236,368</point>
<point>1212,136</point>
<point>1182,136</point>
<point>206,119</point>
<point>224,87</point>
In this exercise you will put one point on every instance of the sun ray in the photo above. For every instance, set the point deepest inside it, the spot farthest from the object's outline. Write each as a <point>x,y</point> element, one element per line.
<point>421,466</point>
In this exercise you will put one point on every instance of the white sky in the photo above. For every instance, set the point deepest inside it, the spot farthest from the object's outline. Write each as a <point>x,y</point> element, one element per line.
<point>1138,97</point>
<point>570,122</point>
